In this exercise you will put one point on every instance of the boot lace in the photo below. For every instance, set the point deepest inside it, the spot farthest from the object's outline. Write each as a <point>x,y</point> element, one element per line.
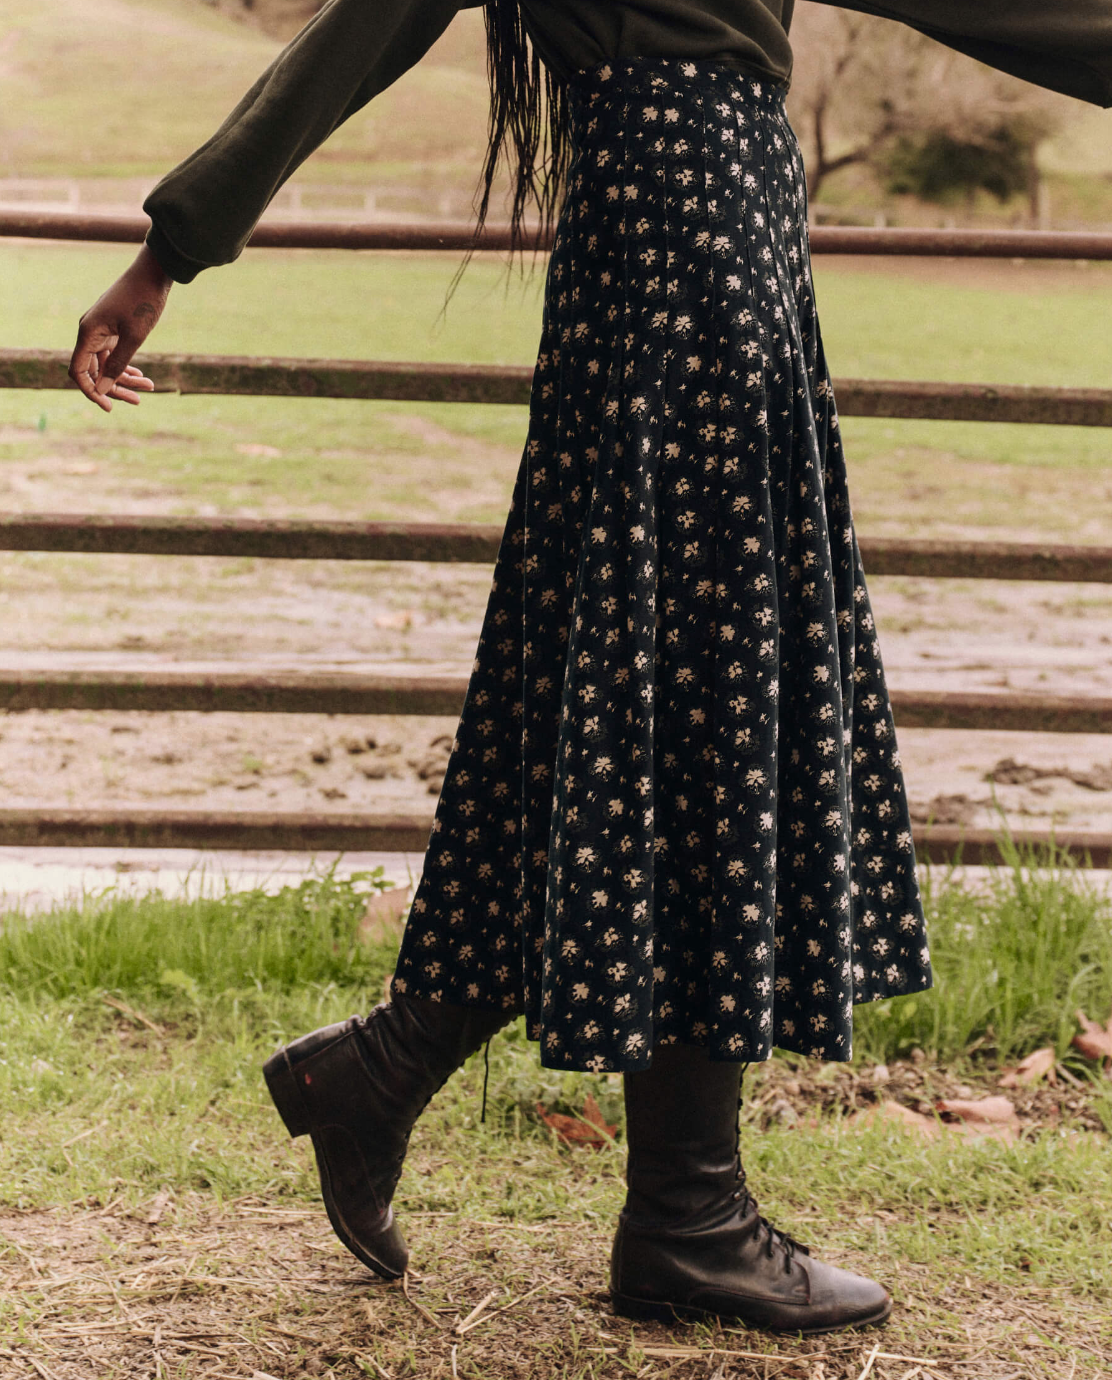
<point>775,1239</point>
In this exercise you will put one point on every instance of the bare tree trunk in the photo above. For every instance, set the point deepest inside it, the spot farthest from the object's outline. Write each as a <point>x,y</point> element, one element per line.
<point>817,171</point>
<point>1038,198</point>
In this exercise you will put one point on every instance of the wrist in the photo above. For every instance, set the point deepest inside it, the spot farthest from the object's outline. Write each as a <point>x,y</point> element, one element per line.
<point>148,267</point>
<point>175,265</point>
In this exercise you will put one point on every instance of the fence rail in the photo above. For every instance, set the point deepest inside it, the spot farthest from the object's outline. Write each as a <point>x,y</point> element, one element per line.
<point>249,692</point>
<point>459,236</point>
<point>509,384</point>
<point>295,692</point>
<point>269,538</point>
<point>296,832</point>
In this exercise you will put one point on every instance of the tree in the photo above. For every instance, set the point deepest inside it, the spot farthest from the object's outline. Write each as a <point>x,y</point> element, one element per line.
<point>935,166</point>
<point>927,119</point>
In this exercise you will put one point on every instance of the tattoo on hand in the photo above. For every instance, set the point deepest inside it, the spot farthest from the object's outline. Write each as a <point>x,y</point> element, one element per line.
<point>146,313</point>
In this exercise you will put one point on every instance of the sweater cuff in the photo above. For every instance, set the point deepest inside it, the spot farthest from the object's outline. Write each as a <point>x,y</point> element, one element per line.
<point>175,264</point>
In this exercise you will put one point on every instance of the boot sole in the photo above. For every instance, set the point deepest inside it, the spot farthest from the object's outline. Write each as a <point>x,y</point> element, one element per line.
<point>286,1096</point>
<point>645,1310</point>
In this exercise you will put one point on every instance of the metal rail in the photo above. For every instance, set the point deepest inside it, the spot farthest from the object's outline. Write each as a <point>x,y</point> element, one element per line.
<point>306,693</point>
<point>238,830</point>
<point>457,236</point>
<point>250,537</point>
<point>247,831</point>
<point>466,542</point>
<point>232,692</point>
<point>482,383</point>
<point>297,693</point>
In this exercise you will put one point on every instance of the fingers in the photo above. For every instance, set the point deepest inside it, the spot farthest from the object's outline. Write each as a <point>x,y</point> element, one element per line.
<point>91,369</point>
<point>135,378</point>
<point>116,365</point>
<point>113,328</point>
<point>129,385</point>
<point>85,369</point>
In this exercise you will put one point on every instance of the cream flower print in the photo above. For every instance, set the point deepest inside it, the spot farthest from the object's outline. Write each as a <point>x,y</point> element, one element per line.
<point>649,830</point>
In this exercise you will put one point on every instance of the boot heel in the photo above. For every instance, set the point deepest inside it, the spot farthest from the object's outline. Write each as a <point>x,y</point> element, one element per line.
<point>285,1094</point>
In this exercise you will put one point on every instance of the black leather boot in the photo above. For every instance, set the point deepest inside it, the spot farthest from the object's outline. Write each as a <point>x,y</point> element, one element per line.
<point>357,1088</point>
<point>690,1240</point>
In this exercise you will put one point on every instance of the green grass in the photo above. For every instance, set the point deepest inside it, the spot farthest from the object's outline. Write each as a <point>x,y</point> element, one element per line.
<point>131,1037</point>
<point>227,978</point>
<point>79,102</point>
<point>1013,960</point>
<point>357,458</point>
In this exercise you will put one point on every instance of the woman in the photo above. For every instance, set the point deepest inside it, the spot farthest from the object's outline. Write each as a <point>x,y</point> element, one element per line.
<point>673,831</point>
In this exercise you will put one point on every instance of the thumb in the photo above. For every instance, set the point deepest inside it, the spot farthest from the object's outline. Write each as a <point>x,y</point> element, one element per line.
<point>111,369</point>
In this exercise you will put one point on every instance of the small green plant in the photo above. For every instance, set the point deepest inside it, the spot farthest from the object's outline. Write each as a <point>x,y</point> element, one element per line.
<point>140,947</point>
<point>1015,953</point>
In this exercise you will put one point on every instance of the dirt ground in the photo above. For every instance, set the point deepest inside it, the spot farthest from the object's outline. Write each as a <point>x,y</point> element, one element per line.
<point>935,635</point>
<point>250,1291</point>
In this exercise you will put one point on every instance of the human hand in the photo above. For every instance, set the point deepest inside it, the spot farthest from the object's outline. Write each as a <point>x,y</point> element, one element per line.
<point>113,329</point>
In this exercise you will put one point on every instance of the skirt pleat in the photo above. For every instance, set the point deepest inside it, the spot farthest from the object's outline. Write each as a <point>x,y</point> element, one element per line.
<point>674,808</point>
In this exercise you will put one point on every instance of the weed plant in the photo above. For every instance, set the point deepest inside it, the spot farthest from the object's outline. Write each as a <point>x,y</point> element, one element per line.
<point>153,949</point>
<point>1015,951</point>
<point>1015,954</point>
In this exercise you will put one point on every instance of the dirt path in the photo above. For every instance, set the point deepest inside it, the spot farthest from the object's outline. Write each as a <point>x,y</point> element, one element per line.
<point>942,635</point>
<point>252,1290</point>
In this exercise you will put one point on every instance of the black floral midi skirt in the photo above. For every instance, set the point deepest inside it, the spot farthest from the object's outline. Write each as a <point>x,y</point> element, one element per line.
<point>674,808</point>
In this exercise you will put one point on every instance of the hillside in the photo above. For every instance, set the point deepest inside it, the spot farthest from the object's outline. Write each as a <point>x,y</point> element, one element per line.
<point>130,95</point>
<point>133,93</point>
<point>280,18</point>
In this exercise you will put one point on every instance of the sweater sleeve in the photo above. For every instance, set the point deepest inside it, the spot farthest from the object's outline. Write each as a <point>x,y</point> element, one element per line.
<point>203,212</point>
<point>1065,45</point>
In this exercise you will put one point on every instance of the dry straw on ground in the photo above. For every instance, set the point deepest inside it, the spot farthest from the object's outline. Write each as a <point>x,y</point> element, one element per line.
<point>249,1291</point>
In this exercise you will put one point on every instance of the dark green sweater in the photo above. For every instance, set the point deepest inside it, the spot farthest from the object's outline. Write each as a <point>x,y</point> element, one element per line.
<point>203,212</point>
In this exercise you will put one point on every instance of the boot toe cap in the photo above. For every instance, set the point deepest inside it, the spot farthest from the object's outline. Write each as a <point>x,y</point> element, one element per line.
<point>379,1244</point>
<point>840,1298</point>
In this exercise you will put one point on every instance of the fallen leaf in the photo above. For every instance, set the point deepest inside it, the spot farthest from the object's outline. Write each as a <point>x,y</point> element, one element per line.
<point>978,1121</point>
<point>1095,1041</point>
<point>593,1113</point>
<point>987,1116</point>
<point>589,1130</point>
<point>984,1109</point>
<point>158,1207</point>
<point>925,1126</point>
<point>1039,1064</point>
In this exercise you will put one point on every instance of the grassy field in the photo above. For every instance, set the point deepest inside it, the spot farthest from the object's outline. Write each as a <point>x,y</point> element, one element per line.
<point>132,1033</point>
<point>1015,324</point>
<point>77,96</point>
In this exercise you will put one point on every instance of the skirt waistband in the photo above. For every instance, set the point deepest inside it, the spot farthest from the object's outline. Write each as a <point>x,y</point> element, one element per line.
<point>681,78</point>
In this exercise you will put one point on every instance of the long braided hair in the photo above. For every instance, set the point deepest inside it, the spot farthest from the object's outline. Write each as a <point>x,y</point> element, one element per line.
<point>529,127</point>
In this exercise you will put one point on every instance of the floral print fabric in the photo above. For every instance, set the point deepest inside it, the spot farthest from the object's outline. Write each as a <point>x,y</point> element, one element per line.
<point>674,809</point>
